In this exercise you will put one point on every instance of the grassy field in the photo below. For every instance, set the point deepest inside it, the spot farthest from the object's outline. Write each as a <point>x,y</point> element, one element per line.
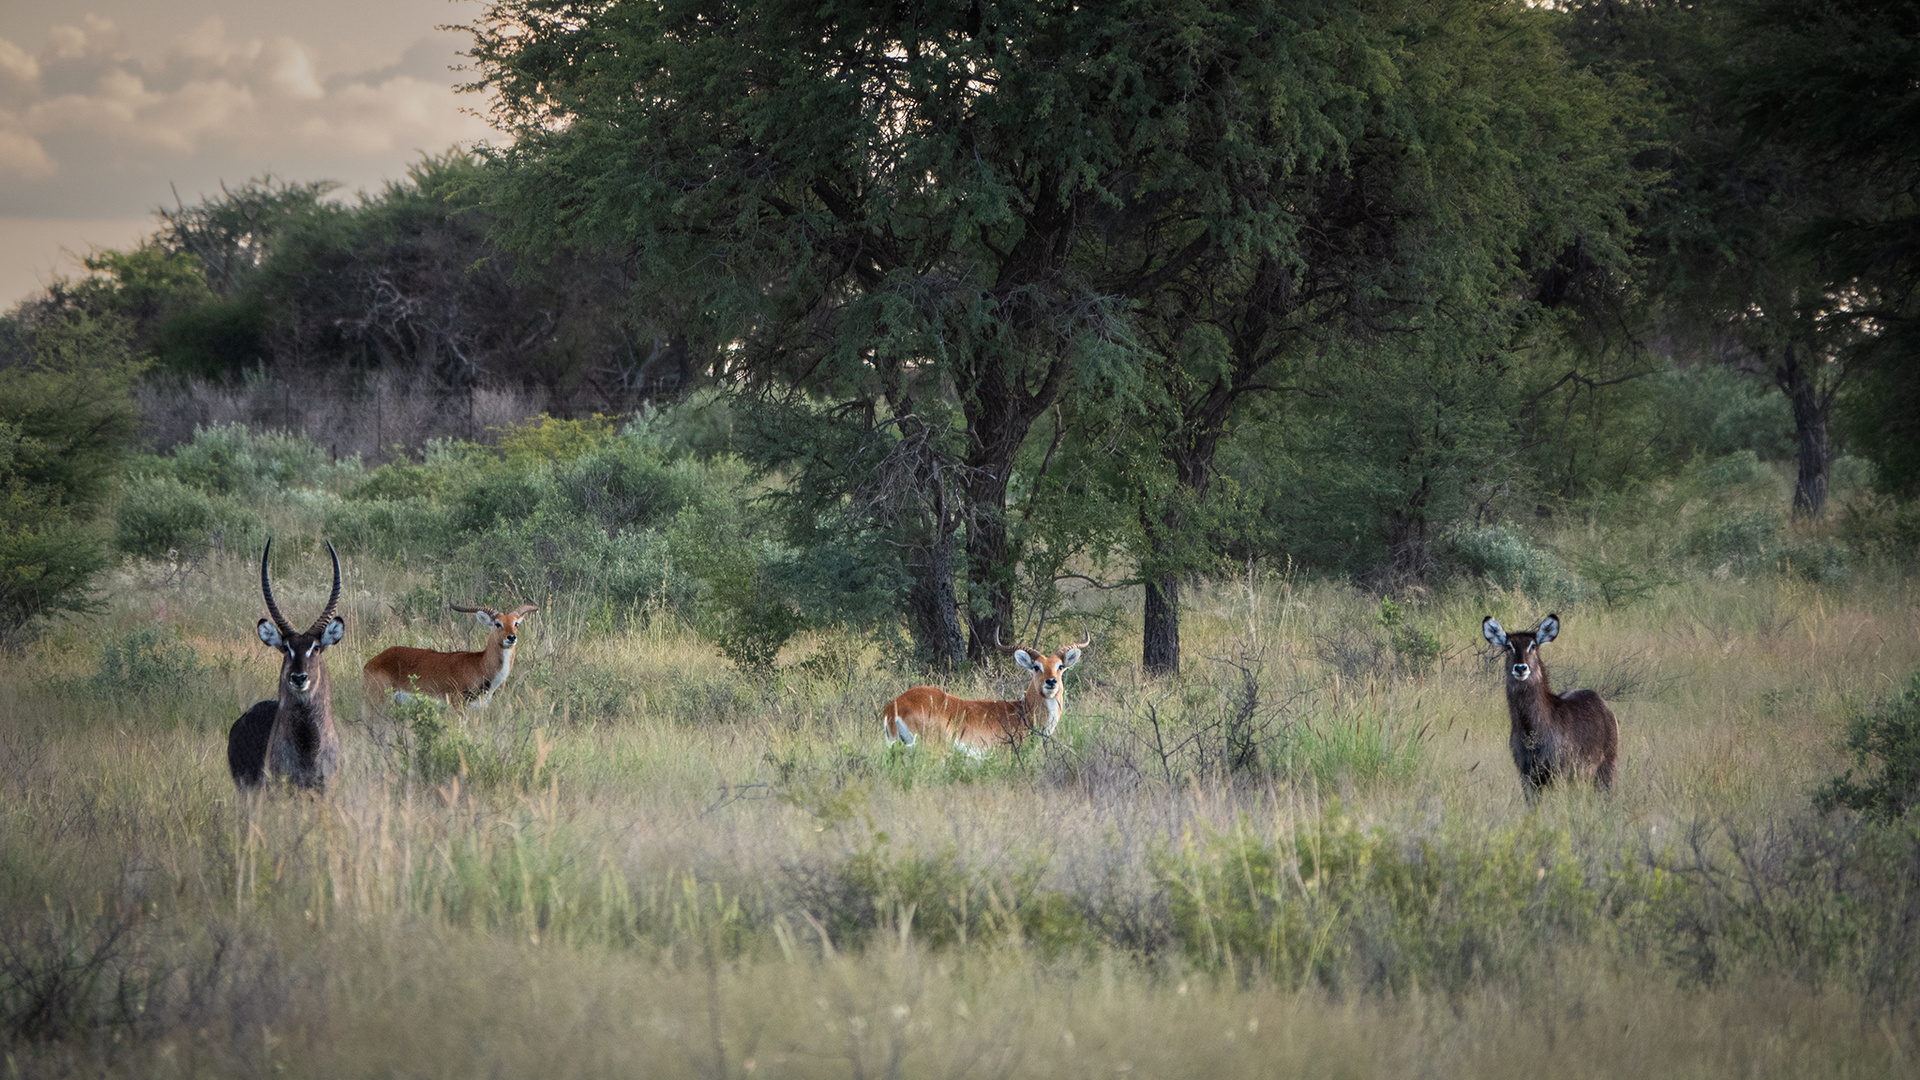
<point>1309,856</point>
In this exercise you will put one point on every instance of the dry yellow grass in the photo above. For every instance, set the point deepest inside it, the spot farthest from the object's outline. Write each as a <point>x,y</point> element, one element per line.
<point>624,904</point>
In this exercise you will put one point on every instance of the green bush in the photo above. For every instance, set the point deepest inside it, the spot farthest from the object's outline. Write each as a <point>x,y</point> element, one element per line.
<point>1887,742</point>
<point>159,514</point>
<point>46,568</point>
<point>402,528</point>
<point>1499,555</point>
<point>1738,541</point>
<point>143,660</point>
<point>1882,528</point>
<point>1823,561</point>
<point>233,460</point>
<point>1741,472</point>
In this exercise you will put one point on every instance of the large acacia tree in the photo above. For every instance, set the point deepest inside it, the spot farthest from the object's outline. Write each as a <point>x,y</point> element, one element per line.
<point>1454,158</point>
<point>888,208</point>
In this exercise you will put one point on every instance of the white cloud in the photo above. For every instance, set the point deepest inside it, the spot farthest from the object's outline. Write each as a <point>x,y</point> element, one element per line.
<point>207,92</point>
<point>19,71</point>
<point>21,154</point>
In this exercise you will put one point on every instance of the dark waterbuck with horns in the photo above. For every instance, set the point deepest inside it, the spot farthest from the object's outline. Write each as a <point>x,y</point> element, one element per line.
<point>1554,735</point>
<point>292,736</point>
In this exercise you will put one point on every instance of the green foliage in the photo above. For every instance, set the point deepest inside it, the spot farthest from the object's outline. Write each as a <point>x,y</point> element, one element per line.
<point>159,514</point>
<point>544,438</point>
<point>1882,527</point>
<point>151,286</point>
<point>144,660</point>
<point>1505,559</point>
<point>219,339</point>
<point>234,460</point>
<point>1417,647</point>
<point>437,743</point>
<point>410,530</point>
<point>66,386</point>
<point>1887,742</point>
<point>46,568</point>
<point>67,423</point>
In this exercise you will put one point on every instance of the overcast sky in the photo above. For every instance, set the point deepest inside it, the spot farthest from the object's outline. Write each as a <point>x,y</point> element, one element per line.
<point>107,107</point>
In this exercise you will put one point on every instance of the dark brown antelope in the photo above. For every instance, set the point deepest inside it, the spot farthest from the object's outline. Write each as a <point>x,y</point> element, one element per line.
<point>1571,735</point>
<point>979,726</point>
<point>292,737</point>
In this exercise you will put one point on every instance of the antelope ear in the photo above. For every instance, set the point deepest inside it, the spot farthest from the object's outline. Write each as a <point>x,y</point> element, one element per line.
<point>1069,658</point>
<point>335,630</point>
<point>484,616</point>
<point>1492,632</point>
<point>1020,657</point>
<point>270,634</point>
<point>1549,629</point>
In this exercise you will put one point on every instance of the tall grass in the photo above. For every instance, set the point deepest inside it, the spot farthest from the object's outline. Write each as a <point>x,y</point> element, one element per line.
<point>1309,854</point>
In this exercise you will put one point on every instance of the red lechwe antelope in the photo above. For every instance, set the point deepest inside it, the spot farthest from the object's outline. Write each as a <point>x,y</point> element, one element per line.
<point>978,726</point>
<point>1554,735</point>
<point>292,736</point>
<point>470,677</point>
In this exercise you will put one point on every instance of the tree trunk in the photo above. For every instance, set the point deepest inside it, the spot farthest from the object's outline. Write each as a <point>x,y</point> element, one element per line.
<point>1160,634</point>
<point>1812,405</point>
<point>990,575</point>
<point>1000,412</point>
<point>933,610</point>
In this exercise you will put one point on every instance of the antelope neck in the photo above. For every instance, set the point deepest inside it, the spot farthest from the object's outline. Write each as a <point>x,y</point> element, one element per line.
<point>1529,697</point>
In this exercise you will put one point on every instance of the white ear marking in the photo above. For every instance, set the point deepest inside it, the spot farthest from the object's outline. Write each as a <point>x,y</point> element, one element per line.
<point>1549,629</point>
<point>269,634</point>
<point>1069,658</point>
<point>335,630</point>
<point>1021,657</point>
<point>1492,632</point>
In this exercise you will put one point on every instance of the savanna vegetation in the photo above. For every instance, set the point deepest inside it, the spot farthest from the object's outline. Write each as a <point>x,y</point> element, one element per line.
<point>786,355</point>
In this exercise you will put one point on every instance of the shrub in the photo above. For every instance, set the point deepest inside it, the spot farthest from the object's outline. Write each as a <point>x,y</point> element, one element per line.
<point>159,514</point>
<point>1881,527</point>
<point>45,569</point>
<point>1888,742</point>
<point>1827,900</point>
<point>1736,541</point>
<point>143,660</point>
<point>1823,561</point>
<point>1735,473</point>
<point>390,528</point>
<point>1502,557</point>
<point>232,460</point>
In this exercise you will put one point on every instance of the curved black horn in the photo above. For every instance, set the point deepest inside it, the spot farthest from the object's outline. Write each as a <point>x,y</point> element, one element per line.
<point>266,590</point>
<point>326,616</point>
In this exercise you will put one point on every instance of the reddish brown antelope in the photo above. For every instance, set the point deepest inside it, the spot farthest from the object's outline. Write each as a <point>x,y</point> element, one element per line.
<point>292,737</point>
<point>1554,735</point>
<point>471,677</point>
<point>979,726</point>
